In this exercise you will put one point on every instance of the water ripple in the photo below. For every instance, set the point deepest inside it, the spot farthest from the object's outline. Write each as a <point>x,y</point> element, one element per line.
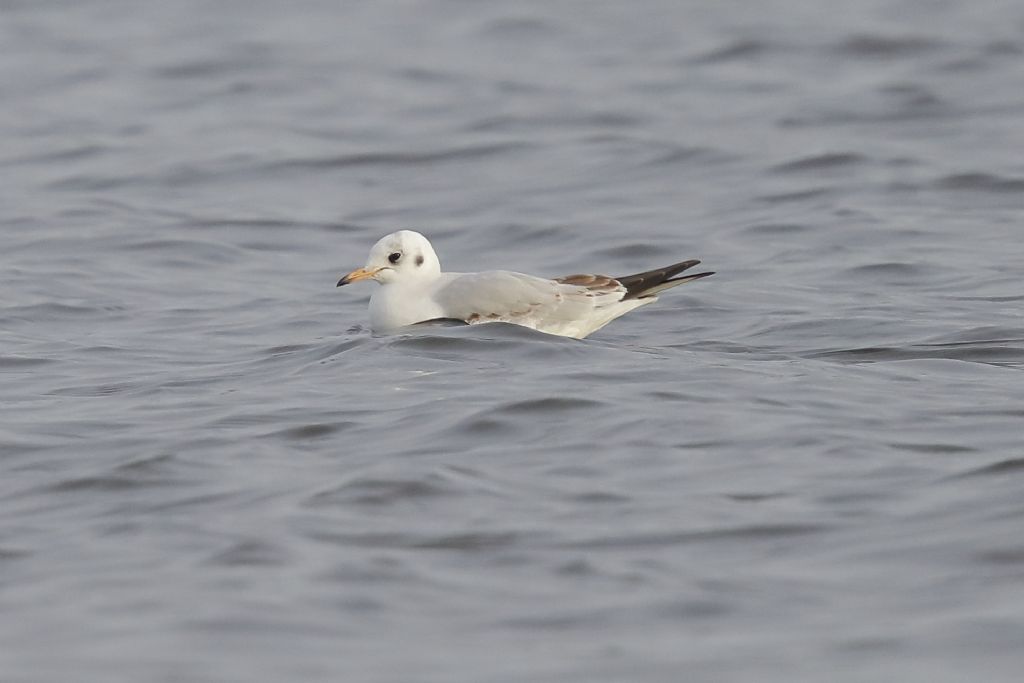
<point>398,159</point>
<point>875,45</point>
<point>821,162</point>
<point>980,182</point>
<point>746,533</point>
<point>1012,466</point>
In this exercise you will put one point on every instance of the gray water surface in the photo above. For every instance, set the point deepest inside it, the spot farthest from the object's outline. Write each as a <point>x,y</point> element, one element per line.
<point>808,467</point>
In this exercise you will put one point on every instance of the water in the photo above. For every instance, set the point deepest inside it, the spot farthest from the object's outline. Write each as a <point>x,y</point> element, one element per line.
<point>808,467</point>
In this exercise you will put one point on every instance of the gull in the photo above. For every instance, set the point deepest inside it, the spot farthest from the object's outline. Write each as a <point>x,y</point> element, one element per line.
<point>414,290</point>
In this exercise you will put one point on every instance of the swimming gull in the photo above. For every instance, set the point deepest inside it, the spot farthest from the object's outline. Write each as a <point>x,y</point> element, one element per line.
<point>414,290</point>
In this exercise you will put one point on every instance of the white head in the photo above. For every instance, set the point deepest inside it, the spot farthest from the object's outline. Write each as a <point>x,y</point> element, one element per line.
<point>403,256</point>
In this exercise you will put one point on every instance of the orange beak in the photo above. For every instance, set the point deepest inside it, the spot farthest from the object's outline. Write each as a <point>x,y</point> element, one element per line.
<point>358,274</point>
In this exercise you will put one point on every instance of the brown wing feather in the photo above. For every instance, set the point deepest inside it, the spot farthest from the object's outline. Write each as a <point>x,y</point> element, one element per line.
<point>594,284</point>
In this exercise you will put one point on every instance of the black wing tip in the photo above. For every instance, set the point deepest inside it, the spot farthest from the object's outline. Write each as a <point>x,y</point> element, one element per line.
<point>639,285</point>
<point>653,291</point>
<point>689,278</point>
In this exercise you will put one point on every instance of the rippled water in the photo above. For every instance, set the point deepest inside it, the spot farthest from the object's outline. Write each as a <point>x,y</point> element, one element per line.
<point>808,467</point>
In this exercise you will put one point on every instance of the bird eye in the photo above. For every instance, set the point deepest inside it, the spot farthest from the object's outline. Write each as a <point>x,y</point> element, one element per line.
<point>394,257</point>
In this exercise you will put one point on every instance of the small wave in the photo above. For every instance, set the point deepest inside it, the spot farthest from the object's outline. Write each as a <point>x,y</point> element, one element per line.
<point>1011,466</point>
<point>912,95</point>
<point>316,430</point>
<point>399,159</point>
<point>148,472</point>
<point>8,554</point>
<point>598,498</point>
<point>797,196</point>
<point>752,533</point>
<point>243,58</point>
<point>332,349</point>
<point>990,354</point>
<point>269,224</point>
<point>994,299</point>
<point>637,250</point>
<point>894,103</point>
<point>422,74</point>
<point>496,336</point>
<point>984,335</point>
<point>90,183</point>
<point>102,389</point>
<point>980,182</point>
<point>932,448</point>
<point>820,162</point>
<point>473,541</point>
<point>894,274</point>
<point>250,553</point>
<point>875,46</point>
<point>195,251</point>
<point>776,229</point>
<point>890,270</point>
<point>467,542</point>
<point>15,362</point>
<point>547,405</point>
<point>738,50</point>
<point>197,69</point>
<point>1004,48</point>
<point>569,621</point>
<point>49,312</point>
<point>672,155</point>
<point>67,154</point>
<point>583,120</point>
<point>383,491</point>
<point>1002,556</point>
<point>486,426</point>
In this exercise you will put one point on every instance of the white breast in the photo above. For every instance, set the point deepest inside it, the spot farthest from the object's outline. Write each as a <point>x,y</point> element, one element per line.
<point>396,305</point>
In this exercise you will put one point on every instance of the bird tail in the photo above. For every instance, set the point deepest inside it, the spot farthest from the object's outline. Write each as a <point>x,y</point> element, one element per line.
<point>653,282</point>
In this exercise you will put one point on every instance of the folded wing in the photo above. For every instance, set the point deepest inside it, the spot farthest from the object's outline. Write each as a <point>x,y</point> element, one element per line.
<point>569,306</point>
<point>574,305</point>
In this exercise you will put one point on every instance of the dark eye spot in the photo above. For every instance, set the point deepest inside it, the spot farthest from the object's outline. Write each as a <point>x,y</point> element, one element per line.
<point>394,257</point>
<point>419,259</point>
